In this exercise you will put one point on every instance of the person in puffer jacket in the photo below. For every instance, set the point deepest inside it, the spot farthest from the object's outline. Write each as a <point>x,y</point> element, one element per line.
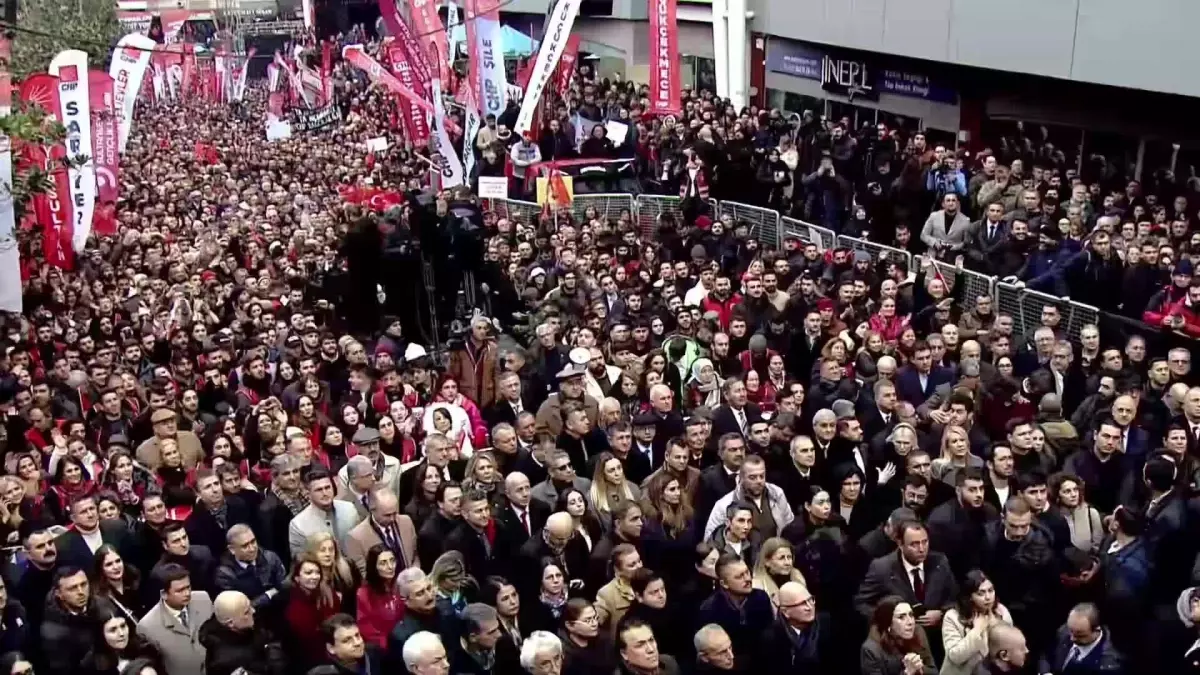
<point>1180,299</point>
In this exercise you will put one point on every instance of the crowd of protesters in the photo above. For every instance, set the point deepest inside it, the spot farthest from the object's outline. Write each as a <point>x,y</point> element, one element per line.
<point>676,453</point>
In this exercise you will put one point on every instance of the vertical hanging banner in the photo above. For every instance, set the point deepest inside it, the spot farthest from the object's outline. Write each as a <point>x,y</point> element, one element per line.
<point>453,18</point>
<point>52,210</point>
<point>424,69</point>
<point>244,73</point>
<point>486,45</point>
<point>451,165</point>
<point>566,66</point>
<point>554,43</point>
<point>415,121</point>
<point>432,35</point>
<point>105,140</point>
<point>188,77</point>
<point>221,75</point>
<point>664,58</point>
<point>272,77</point>
<point>130,59</point>
<point>355,56</point>
<point>326,71</point>
<point>70,66</point>
<point>472,125</point>
<point>10,255</point>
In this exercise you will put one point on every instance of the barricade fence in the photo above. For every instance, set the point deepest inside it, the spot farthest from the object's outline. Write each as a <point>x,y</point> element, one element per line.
<point>770,229</point>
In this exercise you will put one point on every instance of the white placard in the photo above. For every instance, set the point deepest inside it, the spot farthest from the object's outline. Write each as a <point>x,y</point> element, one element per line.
<point>617,131</point>
<point>278,129</point>
<point>379,144</point>
<point>493,187</point>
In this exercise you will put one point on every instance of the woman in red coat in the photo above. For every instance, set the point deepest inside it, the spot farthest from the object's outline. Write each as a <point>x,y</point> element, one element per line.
<point>379,603</point>
<point>310,600</point>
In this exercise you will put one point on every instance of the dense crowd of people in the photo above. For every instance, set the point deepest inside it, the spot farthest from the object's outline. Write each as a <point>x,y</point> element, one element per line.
<point>675,453</point>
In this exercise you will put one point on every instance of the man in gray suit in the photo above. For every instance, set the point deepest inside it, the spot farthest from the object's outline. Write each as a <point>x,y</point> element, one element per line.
<point>323,514</point>
<point>173,625</point>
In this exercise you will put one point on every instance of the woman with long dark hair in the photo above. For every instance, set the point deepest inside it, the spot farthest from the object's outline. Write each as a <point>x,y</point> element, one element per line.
<point>118,582</point>
<point>588,529</point>
<point>71,482</point>
<point>965,626</point>
<point>310,600</point>
<point>424,502</point>
<point>380,606</point>
<point>896,644</point>
<point>115,644</point>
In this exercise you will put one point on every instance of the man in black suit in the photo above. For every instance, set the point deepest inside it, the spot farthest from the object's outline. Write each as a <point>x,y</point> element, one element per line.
<point>77,546</point>
<point>986,239</point>
<point>666,420</point>
<point>1001,474</point>
<point>737,413</point>
<point>920,576</point>
<point>916,382</point>
<point>177,548</point>
<point>431,540</point>
<point>578,438</point>
<point>214,513</point>
<point>620,443</point>
<point>521,517</point>
<point>511,401</point>
<point>438,450</point>
<point>957,527</point>
<point>805,347</point>
<point>481,549</point>
<point>720,479</point>
<point>878,413</point>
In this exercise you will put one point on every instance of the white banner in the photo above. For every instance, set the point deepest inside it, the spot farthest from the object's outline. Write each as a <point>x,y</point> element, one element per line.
<point>493,187</point>
<point>10,257</point>
<point>472,130</point>
<point>75,113</point>
<point>160,84</point>
<point>490,35</point>
<point>451,166</point>
<point>174,79</point>
<point>558,29</point>
<point>130,59</point>
<point>452,19</point>
<point>239,87</point>
<point>272,77</point>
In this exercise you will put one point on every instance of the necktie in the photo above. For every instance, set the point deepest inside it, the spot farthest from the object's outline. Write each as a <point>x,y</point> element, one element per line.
<point>183,617</point>
<point>991,231</point>
<point>918,584</point>
<point>741,419</point>
<point>364,499</point>
<point>1073,655</point>
<point>525,521</point>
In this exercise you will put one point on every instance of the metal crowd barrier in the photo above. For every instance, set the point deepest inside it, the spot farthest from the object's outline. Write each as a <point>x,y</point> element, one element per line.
<point>977,284</point>
<point>764,223</point>
<point>823,237</point>
<point>877,251</point>
<point>608,206</point>
<point>1024,305</point>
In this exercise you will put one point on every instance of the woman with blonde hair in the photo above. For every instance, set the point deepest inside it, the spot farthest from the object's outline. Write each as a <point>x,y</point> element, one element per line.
<point>775,566</point>
<point>336,572</point>
<point>955,455</point>
<point>482,474</point>
<point>451,583</point>
<point>609,488</point>
<point>835,348</point>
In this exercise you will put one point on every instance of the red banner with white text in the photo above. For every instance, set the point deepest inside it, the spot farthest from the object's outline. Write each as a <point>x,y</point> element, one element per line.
<point>51,209</point>
<point>105,155</point>
<point>415,121</point>
<point>664,58</point>
<point>358,58</point>
<point>566,66</point>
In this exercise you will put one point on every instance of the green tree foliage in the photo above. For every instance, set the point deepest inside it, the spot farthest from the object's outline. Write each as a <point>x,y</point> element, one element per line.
<point>30,125</point>
<point>90,25</point>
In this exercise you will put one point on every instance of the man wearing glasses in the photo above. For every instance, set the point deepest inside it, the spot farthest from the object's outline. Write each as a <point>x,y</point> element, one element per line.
<point>801,636</point>
<point>561,477</point>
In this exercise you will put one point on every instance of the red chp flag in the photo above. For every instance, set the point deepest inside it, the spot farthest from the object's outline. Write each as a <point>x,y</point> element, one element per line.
<point>415,122</point>
<point>105,144</point>
<point>566,66</point>
<point>327,71</point>
<point>664,58</point>
<point>355,56</point>
<point>189,69</point>
<point>51,209</point>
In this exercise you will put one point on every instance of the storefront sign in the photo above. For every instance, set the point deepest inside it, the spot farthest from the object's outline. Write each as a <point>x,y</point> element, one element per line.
<point>844,75</point>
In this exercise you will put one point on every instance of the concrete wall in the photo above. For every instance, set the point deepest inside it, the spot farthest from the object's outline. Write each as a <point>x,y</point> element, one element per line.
<point>1144,45</point>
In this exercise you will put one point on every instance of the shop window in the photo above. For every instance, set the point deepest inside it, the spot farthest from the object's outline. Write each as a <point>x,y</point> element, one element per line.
<point>789,102</point>
<point>699,73</point>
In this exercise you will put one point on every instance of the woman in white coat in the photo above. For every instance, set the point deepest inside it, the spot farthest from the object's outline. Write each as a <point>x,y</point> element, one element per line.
<point>452,422</point>
<point>965,627</point>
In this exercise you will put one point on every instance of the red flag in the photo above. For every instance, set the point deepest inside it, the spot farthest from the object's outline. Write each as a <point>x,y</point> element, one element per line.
<point>327,71</point>
<point>559,194</point>
<point>51,208</point>
<point>566,66</point>
<point>189,69</point>
<point>664,58</point>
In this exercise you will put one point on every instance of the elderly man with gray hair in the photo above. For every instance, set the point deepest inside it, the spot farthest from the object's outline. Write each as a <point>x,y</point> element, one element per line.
<point>248,568</point>
<point>420,612</point>
<point>385,525</point>
<point>542,653</point>
<point>284,499</point>
<point>355,482</point>
<point>424,654</point>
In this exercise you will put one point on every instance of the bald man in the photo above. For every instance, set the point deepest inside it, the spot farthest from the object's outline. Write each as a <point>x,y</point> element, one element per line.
<point>668,421</point>
<point>790,639</point>
<point>233,641</point>
<point>521,517</point>
<point>387,526</point>
<point>1007,651</point>
<point>551,543</point>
